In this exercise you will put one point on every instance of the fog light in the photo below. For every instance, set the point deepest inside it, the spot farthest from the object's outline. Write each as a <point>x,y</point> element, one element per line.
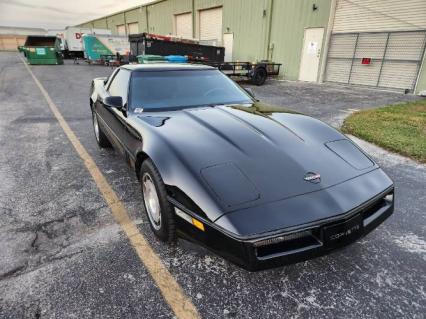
<point>189,219</point>
<point>279,239</point>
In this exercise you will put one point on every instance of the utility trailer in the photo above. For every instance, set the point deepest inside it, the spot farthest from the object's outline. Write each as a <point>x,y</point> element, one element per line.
<point>153,44</point>
<point>256,72</point>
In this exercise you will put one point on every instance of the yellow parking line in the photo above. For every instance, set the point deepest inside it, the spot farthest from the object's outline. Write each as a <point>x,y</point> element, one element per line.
<point>170,289</point>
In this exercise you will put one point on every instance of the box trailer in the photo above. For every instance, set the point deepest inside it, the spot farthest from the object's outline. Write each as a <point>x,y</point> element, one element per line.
<point>60,34</point>
<point>74,40</point>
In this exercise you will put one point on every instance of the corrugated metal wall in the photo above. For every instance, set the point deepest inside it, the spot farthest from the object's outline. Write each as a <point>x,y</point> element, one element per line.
<point>391,33</point>
<point>246,20</point>
<point>249,21</point>
<point>379,15</point>
<point>289,20</point>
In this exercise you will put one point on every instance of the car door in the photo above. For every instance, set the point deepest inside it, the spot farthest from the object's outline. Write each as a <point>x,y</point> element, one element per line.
<point>113,118</point>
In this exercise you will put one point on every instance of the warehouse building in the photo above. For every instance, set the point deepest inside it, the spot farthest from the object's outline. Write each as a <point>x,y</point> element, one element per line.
<point>375,43</point>
<point>12,37</point>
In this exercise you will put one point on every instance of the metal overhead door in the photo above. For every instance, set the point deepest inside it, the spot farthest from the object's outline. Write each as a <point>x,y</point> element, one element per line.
<point>211,25</point>
<point>133,28</point>
<point>121,29</point>
<point>381,59</point>
<point>183,25</point>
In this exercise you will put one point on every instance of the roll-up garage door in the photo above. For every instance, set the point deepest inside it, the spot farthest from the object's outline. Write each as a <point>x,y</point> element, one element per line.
<point>211,26</point>
<point>183,25</point>
<point>133,28</point>
<point>121,29</point>
<point>381,59</point>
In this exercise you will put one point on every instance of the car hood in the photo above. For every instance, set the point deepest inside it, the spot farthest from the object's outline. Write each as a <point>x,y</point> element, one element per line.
<point>247,156</point>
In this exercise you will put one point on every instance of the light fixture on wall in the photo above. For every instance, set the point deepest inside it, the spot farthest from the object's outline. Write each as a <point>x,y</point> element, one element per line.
<point>314,7</point>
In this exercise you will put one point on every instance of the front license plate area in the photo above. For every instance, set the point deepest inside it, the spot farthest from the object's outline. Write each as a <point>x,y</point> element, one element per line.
<point>343,233</point>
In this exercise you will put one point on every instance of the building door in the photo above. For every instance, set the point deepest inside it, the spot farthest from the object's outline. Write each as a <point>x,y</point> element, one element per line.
<point>378,59</point>
<point>133,28</point>
<point>311,54</point>
<point>211,26</point>
<point>228,43</point>
<point>121,29</point>
<point>183,25</point>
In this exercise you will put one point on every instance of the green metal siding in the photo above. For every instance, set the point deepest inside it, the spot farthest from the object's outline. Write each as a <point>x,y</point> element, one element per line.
<point>248,22</point>
<point>289,20</point>
<point>115,20</point>
<point>100,24</point>
<point>161,15</point>
<point>137,15</point>
<point>205,4</point>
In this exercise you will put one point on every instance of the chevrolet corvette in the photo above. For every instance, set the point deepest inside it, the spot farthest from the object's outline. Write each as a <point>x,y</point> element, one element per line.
<point>257,184</point>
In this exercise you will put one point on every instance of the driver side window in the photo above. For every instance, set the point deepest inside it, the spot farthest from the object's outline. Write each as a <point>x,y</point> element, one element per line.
<point>120,85</point>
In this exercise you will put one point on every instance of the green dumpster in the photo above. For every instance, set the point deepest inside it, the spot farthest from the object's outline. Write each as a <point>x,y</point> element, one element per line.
<point>40,49</point>
<point>150,58</point>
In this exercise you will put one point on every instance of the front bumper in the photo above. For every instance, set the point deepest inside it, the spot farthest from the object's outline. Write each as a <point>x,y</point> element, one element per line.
<point>298,245</point>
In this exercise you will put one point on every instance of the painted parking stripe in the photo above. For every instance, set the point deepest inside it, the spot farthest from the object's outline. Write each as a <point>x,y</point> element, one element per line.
<point>170,289</point>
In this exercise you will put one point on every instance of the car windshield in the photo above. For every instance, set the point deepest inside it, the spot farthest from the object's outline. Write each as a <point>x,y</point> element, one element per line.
<point>154,90</point>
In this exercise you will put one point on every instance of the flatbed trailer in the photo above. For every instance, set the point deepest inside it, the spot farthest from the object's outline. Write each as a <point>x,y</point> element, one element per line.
<point>257,72</point>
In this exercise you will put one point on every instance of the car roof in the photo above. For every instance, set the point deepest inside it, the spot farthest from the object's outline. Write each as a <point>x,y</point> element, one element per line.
<point>166,67</point>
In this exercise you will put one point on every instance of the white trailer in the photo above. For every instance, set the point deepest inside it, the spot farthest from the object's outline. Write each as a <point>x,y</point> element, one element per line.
<point>73,40</point>
<point>59,33</point>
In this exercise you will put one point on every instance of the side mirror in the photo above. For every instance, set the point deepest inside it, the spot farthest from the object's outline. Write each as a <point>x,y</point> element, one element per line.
<point>250,92</point>
<point>113,101</point>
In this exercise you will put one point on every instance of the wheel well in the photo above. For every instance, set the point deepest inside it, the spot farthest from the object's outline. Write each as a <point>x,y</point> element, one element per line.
<point>140,158</point>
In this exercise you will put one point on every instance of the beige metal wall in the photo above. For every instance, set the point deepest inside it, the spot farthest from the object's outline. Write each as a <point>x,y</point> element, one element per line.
<point>11,42</point>
<point>379,15</point>
<point>391,33</point>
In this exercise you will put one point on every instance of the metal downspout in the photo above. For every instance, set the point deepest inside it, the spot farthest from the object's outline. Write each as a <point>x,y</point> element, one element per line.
<point>269,29</point>
<point>327,40</point>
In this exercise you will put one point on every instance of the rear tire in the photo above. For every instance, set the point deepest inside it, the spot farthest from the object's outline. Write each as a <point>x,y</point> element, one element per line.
<point>259,76</point>
<point>157,208</point>
<point>100,136</point>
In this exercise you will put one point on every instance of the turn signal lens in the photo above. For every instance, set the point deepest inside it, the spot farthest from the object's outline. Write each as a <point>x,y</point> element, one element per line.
<point>198,224</point>
<point>189,219</point>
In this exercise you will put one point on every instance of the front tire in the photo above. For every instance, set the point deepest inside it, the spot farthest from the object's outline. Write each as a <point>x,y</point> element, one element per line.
<point>100,136</point>
<point>157,208</point>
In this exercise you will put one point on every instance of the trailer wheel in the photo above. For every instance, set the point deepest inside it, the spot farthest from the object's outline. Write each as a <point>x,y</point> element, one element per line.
<point>259,76</point>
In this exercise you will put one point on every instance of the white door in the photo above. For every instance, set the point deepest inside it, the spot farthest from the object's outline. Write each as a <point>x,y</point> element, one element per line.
<point>211,26</point>
<point>228,42</point>
<point>311,54</point>
<point>183,25</point>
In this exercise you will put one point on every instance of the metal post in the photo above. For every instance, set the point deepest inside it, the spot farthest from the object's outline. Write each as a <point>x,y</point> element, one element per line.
<point>421,64</point>
<point>383,60</point>
<point>353,58</point>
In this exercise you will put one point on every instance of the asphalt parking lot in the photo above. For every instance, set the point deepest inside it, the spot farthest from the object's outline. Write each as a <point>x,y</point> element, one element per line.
<point>62,255</point>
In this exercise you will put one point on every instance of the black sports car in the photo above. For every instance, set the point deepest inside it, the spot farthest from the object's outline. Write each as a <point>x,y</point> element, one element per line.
<point>254,183</point>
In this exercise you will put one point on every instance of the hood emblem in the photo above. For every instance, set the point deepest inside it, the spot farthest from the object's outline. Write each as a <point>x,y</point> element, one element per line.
<point>312,177</point>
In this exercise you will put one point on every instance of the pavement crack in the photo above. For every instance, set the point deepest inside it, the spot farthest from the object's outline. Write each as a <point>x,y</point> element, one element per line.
<point>13,272</point>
